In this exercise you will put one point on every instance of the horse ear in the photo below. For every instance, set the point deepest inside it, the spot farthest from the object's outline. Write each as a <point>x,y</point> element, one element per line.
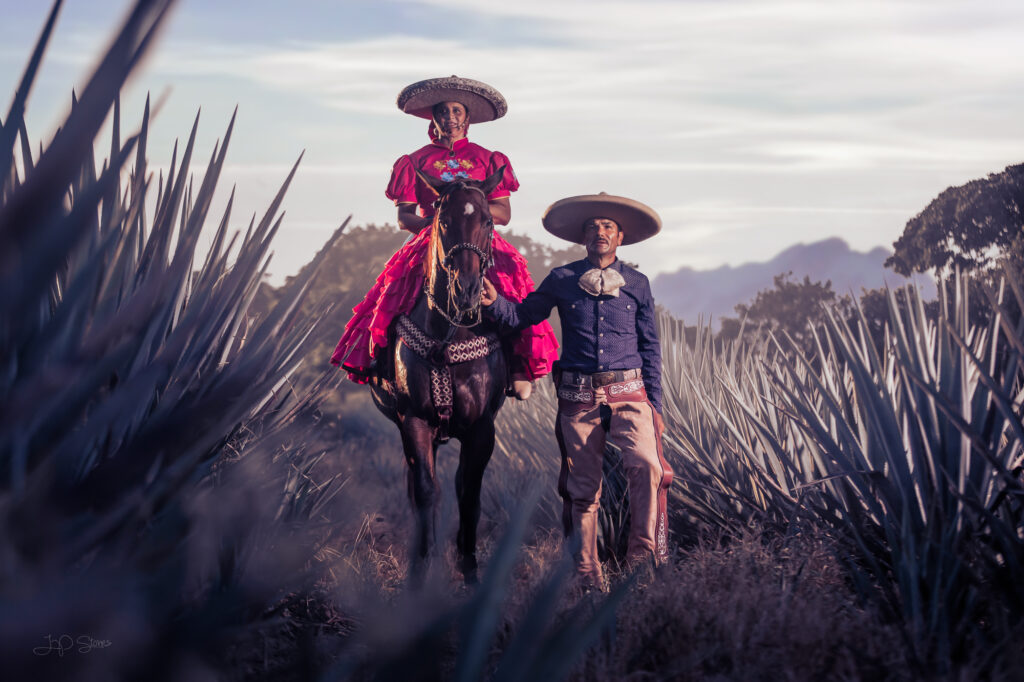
<point>435,184</point>
<point>492,180</point>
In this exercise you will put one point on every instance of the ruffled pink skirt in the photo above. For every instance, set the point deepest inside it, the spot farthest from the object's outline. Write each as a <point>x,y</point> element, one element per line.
<point>399,285</point>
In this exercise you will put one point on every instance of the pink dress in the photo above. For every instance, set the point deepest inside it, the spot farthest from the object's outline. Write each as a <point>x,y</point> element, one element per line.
<point>398,286</point>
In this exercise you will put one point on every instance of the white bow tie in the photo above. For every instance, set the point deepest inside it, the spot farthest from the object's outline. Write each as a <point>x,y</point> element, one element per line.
<point>597,282</point>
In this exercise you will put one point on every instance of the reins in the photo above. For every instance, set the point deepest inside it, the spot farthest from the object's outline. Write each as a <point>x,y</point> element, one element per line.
<point>440,260</point>
<point>441,354</point>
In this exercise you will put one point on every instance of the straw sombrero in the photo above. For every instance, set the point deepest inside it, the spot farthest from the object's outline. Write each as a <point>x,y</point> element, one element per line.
<point>565,217</point>
<point>483,102</point>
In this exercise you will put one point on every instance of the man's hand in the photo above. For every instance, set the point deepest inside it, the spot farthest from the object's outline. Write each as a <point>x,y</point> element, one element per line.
<point>659,425</point>
<point>488,294</point>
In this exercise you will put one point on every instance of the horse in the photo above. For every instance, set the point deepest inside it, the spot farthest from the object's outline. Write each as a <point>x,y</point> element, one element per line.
<point>446,372</point>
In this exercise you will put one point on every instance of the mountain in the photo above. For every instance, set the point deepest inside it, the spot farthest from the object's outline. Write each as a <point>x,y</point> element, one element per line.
<point>688,293</point>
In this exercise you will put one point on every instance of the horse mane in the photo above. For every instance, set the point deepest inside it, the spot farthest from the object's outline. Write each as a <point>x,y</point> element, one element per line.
<point>429,263</point>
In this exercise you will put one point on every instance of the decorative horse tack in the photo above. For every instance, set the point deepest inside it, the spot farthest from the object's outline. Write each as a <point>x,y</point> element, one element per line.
<point>445,263</point>
<point>441,356</point>
<point>445,378</point>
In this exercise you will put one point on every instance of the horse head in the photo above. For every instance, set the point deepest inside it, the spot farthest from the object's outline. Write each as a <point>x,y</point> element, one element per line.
<point>460,249</point>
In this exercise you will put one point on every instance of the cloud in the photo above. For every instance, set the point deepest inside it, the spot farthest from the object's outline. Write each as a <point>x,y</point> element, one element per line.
<point>749,122</point>
<point>774,83</point>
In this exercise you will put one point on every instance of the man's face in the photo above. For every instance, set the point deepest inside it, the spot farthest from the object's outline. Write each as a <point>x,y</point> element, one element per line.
<point>601,236</point>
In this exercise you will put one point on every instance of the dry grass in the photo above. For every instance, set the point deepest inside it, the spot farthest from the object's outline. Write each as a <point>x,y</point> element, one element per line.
<point>751,610</point>
<point>744,609</point>
<point>756,607</point>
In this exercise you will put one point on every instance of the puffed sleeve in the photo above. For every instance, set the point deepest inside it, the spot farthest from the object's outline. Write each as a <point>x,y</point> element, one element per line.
<point>508,183</point>
<point>402,188</point>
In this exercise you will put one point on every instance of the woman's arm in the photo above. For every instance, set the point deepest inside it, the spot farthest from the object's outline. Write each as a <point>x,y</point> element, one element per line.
<point>411,222</point>
<point>501,210</point>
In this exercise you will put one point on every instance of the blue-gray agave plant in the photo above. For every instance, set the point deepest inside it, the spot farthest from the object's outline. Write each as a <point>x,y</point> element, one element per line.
<point>150,493</point>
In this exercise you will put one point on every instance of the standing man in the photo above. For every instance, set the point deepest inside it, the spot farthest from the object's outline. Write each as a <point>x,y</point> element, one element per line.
<point>609,374</point>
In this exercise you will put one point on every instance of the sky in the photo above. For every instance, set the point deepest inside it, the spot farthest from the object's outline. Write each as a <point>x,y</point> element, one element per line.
<point>748,125</point>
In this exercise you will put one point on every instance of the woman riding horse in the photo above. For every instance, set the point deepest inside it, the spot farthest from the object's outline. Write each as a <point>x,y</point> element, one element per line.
<point>449,368</point>
<point>450,103</point>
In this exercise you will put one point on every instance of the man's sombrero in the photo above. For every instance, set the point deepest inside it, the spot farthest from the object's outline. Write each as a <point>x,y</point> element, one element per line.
<point>565,217</point>
<point>483,102</point>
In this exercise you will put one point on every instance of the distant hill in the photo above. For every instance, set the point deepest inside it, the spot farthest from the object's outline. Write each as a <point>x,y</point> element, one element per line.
<point>689,293</point>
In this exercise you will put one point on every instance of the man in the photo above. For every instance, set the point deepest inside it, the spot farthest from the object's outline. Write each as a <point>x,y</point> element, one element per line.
<point>609,374</point>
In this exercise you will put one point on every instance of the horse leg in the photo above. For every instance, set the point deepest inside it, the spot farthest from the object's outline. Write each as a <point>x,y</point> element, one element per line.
<point>477,447</point>
<point>418,443</point>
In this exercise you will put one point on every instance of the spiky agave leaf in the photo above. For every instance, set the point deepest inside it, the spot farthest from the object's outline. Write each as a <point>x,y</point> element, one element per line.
<point>901,453</point>
<point>131,408</point>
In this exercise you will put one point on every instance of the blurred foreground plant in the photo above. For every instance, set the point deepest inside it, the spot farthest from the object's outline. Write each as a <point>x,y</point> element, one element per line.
<point>151,494</point>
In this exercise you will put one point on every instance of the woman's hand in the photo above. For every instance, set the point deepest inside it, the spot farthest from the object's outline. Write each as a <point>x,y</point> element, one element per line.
<point>488,294</point>
<point>408,219</point>
<point>501,210</point>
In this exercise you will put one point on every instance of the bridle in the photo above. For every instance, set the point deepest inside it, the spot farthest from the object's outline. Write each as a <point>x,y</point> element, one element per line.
<point>447,260</point>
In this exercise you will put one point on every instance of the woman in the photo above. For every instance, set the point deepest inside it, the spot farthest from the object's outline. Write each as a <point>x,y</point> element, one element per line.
<point>450,104</point>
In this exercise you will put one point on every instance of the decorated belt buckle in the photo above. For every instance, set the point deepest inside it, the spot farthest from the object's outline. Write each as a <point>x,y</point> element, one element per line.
<point>624,387</point>
<point>576,396</point>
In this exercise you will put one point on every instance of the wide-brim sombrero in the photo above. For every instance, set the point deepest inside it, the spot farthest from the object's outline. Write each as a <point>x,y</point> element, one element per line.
<point>483,102</point>
<point>565,217</point>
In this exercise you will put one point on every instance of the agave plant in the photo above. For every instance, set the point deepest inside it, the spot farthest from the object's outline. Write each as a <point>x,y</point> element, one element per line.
<point>150,485</point>
<point>910,454</point>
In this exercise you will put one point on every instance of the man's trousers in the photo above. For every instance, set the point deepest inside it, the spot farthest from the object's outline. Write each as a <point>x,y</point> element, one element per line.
<point>581,437</point>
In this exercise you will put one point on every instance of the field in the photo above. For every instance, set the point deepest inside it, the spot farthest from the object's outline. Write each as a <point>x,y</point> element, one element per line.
<point>182,499</point>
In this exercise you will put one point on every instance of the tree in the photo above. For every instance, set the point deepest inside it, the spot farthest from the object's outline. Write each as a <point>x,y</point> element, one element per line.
<point>874,305</point>
<point>540,258</point>
<point>791,307</point>
<point>970,226</point>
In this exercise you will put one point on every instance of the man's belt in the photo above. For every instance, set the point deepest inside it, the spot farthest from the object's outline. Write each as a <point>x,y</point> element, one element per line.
<point>571,378</point>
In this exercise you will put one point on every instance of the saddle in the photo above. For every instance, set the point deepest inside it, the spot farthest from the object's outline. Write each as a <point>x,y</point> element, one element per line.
<point>441,356</point>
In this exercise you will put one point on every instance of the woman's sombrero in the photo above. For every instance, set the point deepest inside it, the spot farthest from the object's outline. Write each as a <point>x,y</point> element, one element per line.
<point>565,217</point>
<point>483,102</point>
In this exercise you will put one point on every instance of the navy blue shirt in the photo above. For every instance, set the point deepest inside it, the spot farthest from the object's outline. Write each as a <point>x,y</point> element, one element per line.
<point>599,333</point>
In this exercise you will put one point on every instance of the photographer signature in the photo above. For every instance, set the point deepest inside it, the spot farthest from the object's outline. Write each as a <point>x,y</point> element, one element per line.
<point>63,644</point>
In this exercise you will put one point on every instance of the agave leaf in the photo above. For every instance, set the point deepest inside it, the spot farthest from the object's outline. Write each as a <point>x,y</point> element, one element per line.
<point>15,118</point>
<point>534,630</point>
<point>46,249</point>
<point>477,625</point>
<point>568,643</point>
<point>53,173</point>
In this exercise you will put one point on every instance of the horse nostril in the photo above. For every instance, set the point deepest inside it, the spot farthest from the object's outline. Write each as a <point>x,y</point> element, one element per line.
<point>467,289</point>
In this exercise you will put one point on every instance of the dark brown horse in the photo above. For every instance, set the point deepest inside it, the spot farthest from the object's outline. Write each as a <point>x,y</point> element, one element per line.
<point>447,373</point>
